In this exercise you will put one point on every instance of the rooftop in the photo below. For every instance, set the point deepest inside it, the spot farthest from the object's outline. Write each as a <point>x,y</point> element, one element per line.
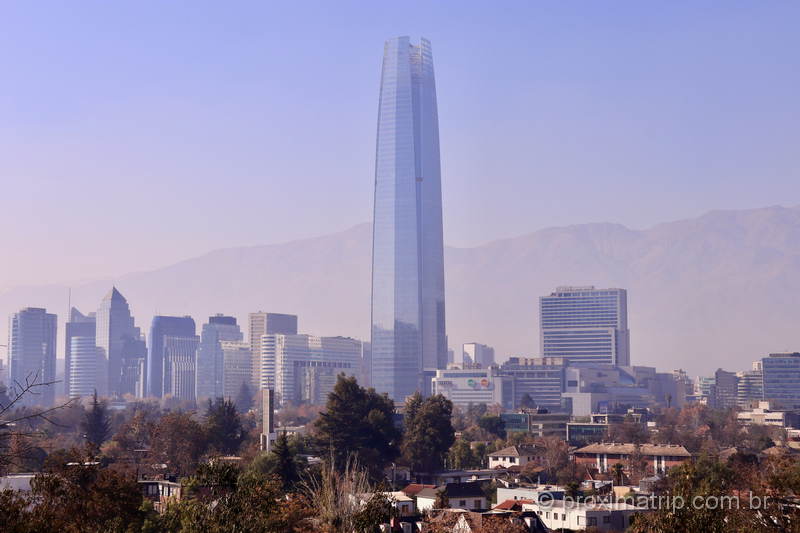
<point>629,448</point>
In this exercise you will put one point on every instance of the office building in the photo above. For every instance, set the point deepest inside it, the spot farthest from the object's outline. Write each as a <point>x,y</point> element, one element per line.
<point>585,325</point>
<point>749,386</point>
<point>306,366</point>
<point>237,367</point>
<point>179,359</point>
<point>781,379</point>
<point>606,389</point>
<point>408,305</point>
<point>539,380</point>
<point>261,324</point>
<point>161,328</point>
<point>210,358</point>
<point>81,359</point>
<point>475,386</point>
<point>32,356</point>
<point>477,354</point>
<point>121,348</point>
<point>725,389</point>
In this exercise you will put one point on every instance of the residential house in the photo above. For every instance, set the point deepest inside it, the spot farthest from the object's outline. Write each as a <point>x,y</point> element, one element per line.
<point>517,456</point>
<point>468,496</point>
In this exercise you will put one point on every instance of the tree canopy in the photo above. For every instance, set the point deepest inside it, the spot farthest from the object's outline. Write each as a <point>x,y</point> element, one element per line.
<point>358,422</point>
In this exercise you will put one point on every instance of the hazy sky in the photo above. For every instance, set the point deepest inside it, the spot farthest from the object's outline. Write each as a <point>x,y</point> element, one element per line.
<point>134,134</point>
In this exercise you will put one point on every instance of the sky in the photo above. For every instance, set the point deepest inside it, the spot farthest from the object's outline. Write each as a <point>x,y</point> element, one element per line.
<point>137,134</point>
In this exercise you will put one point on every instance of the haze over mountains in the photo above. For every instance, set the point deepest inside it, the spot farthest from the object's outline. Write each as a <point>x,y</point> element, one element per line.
<point>719,290</point>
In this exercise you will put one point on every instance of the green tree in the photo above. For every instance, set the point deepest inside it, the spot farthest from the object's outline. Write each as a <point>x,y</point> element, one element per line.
<point>442,501</point>
<point>376,511</point>
<point>428,433</point>
<point>286,465</point>
<point>96,425</point>
<point>461,456</point>
<point>178,441</point>
<point>223,426</point>
<point>493,425</point>
<point>357,422</point>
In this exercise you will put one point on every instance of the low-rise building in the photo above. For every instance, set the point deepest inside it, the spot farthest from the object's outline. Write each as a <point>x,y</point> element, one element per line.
<point>765,415</point>
<point>658,457</point>
<point>583,433</point>
<point>575,516</point>
<point>403,504</point>
<point>537,423</point>
<point>161,492</point>
<point>472,386</point>
<point>532,493</point>
<point>468,496</point>
<point>519,456</point>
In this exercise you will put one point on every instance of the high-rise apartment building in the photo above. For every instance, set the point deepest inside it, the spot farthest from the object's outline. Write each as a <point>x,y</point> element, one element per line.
<point>81,356</point>
<point>32,355</point>
<point>306,366</point>
<point>210,357</point>
<point>408,306</point>
<point>474,353</point>
<point>585,325</point>
<point>121,348</point>
<point>262,323</point>
<point>160,328</point>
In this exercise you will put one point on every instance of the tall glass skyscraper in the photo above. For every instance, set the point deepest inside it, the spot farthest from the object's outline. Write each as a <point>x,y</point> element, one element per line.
<point>121,349</point>
<point>177,327</point>
<point>408,315</point>
<point>32,356</point>
<point>211,358</point>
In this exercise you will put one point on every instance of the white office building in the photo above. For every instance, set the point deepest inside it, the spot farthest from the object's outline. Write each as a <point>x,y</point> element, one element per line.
<point>306,366</point>
<point>585,325</point>
<point>474,386</point>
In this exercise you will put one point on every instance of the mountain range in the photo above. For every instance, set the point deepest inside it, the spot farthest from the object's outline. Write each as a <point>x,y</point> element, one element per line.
<point>719,290</point>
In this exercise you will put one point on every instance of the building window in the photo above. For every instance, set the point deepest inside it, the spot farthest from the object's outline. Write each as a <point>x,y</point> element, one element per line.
<point>607,519</point>
<point>477,504</point>
<point>462,503</point>
<point>592,521</point>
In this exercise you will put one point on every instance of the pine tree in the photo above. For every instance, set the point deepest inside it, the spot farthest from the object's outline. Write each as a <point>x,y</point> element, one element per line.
<point>428,433</point>
<point>286,466</point>
<point>96,425</point>
<point>357,422</point>
<point>223,426</point>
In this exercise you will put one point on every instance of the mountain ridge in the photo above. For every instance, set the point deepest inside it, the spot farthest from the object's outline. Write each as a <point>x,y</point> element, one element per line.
<point>712,291</point>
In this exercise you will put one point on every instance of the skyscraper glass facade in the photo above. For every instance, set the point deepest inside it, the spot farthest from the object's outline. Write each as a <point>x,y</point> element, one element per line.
<point>32,355</point>
<point>408,311</point>
<point>162,327</point>
<point>585,325</point>
<point>210,357</point>
<point>121,350</point>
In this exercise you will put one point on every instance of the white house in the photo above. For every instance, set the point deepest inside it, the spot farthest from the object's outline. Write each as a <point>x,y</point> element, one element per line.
<point>468,496</point>
<point>512,456</point>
